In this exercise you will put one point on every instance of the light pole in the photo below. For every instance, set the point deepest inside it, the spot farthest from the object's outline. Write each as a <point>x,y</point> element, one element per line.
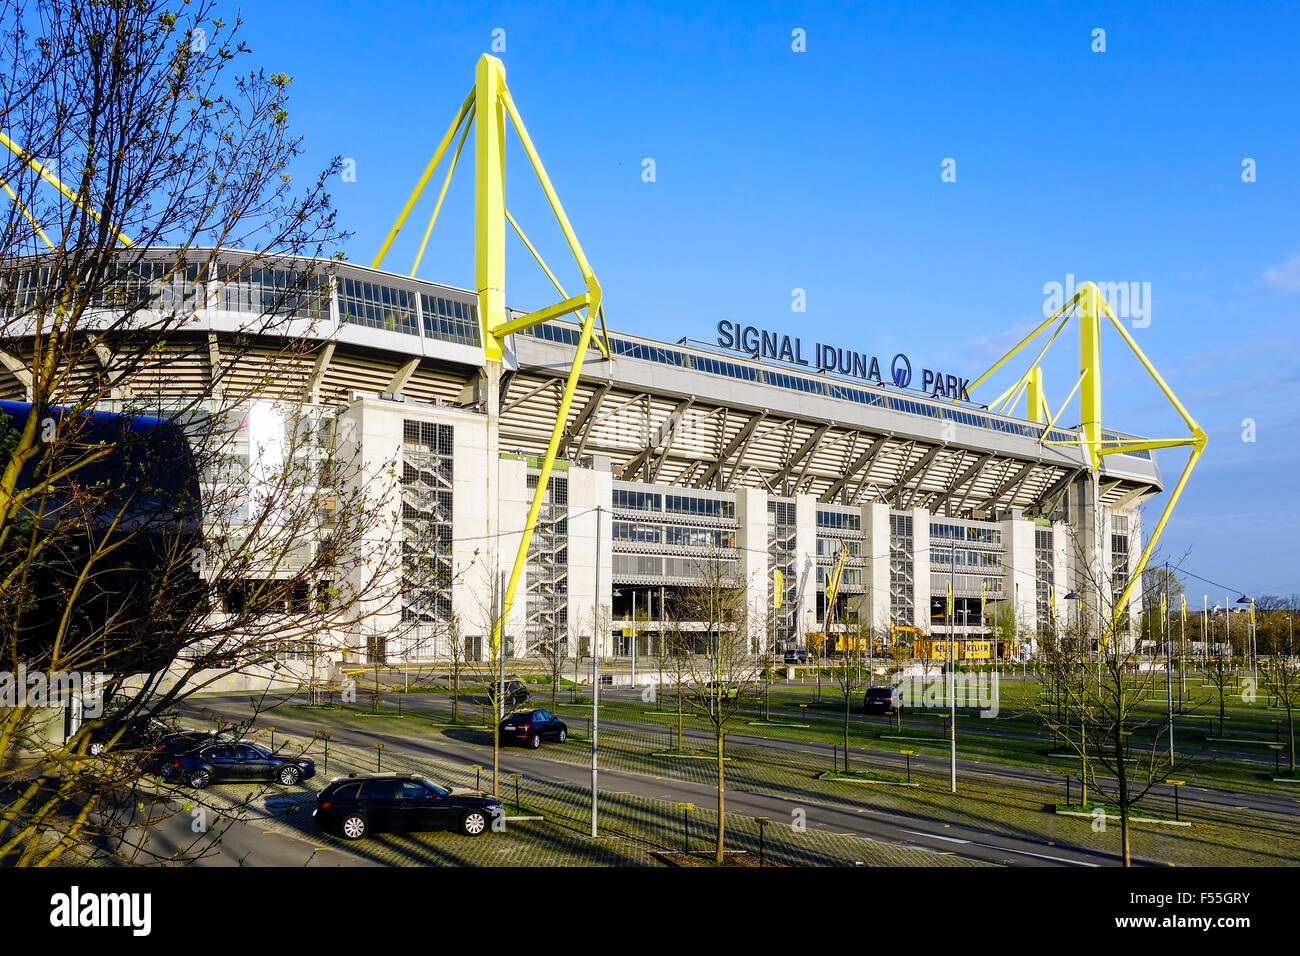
<point>595,673</point>
<point>1078,598</point>
<point>1250,636</point>
<point>952,669</point>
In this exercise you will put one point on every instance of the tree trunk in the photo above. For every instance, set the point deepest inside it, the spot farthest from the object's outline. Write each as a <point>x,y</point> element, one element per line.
<point>722,810</point>
<point>847,699</point>
<point>1121,775</point>
<point>679,712</point>
<point>1290,729</point>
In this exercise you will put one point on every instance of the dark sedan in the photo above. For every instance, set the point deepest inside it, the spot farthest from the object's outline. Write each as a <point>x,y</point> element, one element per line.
<point>238,763</point>
<point>531,727</point>
<point>123,735</point>
<point>165,751</point>
<point>512,692</point>
<point>394,802</point>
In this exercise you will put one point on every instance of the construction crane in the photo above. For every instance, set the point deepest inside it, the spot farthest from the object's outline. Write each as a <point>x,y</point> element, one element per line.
<point>830,643</point>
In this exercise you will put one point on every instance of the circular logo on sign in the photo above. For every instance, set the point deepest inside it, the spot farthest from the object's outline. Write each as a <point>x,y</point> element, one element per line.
<point>901,370</point>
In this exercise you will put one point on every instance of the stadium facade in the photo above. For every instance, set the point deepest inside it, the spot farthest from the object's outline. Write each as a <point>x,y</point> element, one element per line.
<point>752,450</point>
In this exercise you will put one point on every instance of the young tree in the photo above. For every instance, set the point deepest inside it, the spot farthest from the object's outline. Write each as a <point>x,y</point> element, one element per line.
<point>722,675</point>
<point>1280,677</point>
<point>852,673</point>
<point>1220,671</point>
<point>555,652</point>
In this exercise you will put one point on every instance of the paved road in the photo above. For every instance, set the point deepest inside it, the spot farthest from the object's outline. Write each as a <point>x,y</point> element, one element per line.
<point>899,828</point>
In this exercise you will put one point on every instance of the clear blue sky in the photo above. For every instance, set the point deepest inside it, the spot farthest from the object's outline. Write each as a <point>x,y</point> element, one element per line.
<point>820,170</point>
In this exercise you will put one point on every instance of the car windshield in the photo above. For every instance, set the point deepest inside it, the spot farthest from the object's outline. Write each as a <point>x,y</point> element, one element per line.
<point>441,791</point>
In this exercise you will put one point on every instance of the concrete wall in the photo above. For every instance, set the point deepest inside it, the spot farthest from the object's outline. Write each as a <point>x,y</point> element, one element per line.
<point>805,558</point>
<point>751,540</point>
<point>589,489</point>
<point>1020,583</point>
<point>875,524</point>
<point>921,568</point>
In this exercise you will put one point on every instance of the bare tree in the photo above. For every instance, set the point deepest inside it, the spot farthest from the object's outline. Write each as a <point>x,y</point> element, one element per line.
<point>195,528</point>
<point>723,674</point>
<point>1220,671</point>
<point>851,673</point>
<point>1280,676</point>
<point>1098,706</point>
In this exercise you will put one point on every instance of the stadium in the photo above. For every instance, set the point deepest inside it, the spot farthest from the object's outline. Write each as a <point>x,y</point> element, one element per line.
<point>738,453</point>
<point>571,497</point>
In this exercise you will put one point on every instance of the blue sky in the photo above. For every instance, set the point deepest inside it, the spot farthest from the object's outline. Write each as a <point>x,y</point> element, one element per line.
<point>820,170</point>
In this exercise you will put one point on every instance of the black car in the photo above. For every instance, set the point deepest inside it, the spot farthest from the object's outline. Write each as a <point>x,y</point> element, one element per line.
<point>230,763</point>
<point>391,802</point>
<point>513,692</point>
<point>531,727</point>
<point>797,656</point>
<point>171,746</point>
<point>121,735</point>
<point>882,700</point>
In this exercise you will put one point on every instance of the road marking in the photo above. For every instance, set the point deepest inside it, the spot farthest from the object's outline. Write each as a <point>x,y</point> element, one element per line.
<point>1004,849</point>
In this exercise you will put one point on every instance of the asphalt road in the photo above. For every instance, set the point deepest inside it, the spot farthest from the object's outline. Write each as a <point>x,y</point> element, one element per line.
<point>893,827</point>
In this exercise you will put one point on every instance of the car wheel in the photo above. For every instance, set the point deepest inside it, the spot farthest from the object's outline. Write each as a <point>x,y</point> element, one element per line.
<point>96,748</point>
<point>534,741</point>
<point>354,827</point>
<point>200,779</point>
<point>564,735</point>
<point>289,775</point>
<point>473,823</point>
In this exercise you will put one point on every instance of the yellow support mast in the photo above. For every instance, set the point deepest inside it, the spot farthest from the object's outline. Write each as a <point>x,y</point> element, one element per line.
<point>1090,306</point>
<point>488,107</point>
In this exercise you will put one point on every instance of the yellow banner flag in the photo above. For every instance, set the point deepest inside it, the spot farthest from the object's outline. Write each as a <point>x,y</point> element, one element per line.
<point>778,588</point>
<point>984,587</point>
<point>1184,611</point>
<point>950,599</point>
<point>1051,600</point>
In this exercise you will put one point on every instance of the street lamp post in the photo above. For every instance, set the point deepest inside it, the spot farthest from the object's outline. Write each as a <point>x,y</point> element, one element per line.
<point>1250,637</point>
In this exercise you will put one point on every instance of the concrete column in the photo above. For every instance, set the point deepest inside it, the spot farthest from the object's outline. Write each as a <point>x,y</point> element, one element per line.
<point>805,562</point>
<point>875,525</point>
<point>1020,570</point>
<point>587,609</point>
<point>1063,565</point>
<point>751,540</point>
<point>470,542</point>
<point>589,488</point>
<point>921,568</point>
<point>369,440</point>
<point>514,500</point>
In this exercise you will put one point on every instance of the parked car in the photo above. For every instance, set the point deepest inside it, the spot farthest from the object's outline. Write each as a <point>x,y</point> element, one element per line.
<point>123,735</point>
<point>714,690</point>
<point>182,742</point>
<point>531,727</point>
<point>882,700</point>
<point>355,805</point>
<point>796,656</point>
<point>513,692</point>
<point>230,763</point>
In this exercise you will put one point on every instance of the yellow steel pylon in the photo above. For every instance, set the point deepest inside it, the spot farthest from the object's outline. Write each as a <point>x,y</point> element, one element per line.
<point>54,181</point>
<point>487,107</point>
<point>1089,305</point>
